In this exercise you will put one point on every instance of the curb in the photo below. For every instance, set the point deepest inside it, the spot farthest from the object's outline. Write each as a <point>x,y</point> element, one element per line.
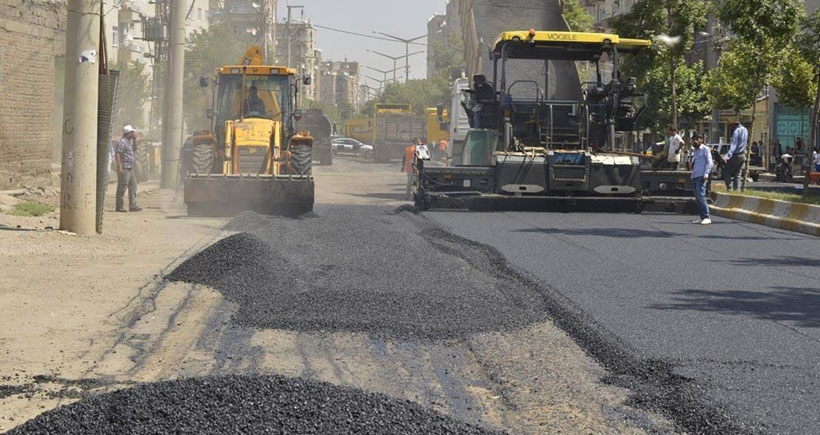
<point>802,218</point>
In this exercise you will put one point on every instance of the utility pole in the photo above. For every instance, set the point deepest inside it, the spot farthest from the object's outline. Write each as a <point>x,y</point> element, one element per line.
<point>78,183</point>
<point>406,51</point>
<point>287,31</point>
<point>172,127</point>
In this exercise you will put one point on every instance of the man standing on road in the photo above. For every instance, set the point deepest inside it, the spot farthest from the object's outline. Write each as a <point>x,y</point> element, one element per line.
<point>125,170</point>
<point>442,148</point>
<point>673,154</point>
<point>407,164</point>
<point>701,168</point>
<point>736,157</point>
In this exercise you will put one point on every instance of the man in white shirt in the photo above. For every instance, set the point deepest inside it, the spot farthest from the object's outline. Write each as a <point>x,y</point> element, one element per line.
<point>673,154</point>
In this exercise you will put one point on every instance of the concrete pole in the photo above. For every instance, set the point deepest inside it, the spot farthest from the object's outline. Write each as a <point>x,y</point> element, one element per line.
<point>78,197</point>
<point>172,128</point>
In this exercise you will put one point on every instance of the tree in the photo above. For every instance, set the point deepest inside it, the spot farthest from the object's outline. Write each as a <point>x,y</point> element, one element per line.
<point>576,16</point>
<point>808,45</point>
<point>762,27</point>
<point>675,18</point>
<point>206,50</point>
<point>133,94</point>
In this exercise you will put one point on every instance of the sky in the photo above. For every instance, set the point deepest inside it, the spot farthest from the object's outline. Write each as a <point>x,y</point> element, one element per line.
<point>405,19</point>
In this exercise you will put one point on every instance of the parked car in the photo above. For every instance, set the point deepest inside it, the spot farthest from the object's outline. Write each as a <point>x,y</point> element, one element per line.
<point>348,146</point>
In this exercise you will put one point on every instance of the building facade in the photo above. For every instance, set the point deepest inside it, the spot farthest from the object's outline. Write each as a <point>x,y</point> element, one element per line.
<point>339,84</point>
<point>296,47</point>
<point>32,45</point>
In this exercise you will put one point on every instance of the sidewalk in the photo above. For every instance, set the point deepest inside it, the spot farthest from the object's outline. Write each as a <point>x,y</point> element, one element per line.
<point>791,216</point>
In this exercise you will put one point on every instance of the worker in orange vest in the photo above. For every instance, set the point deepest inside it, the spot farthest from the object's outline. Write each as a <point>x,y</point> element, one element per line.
<point>442,148</point>
<point>407,164</point>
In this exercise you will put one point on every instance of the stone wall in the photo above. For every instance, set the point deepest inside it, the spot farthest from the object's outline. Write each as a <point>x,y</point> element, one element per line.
<point>32,34</point>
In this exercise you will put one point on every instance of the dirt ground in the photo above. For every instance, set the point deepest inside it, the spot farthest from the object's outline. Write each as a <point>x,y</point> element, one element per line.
<point>88,314</point>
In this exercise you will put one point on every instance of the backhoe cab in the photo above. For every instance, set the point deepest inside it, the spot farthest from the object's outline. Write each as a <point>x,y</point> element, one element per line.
<point>252,158</point>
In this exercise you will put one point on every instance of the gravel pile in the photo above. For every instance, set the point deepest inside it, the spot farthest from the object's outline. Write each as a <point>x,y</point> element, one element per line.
<point>388,275</point>
<point>243,405</point>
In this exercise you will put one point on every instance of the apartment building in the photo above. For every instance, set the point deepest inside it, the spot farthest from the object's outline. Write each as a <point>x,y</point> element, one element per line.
<point>296,47</point>
<point>339,84</point>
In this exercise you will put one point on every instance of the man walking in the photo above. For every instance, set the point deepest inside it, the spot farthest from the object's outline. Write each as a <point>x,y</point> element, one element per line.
<point>407,164</point>
<point>125,170</point>
<point>736,157</point>
<point>701,168</point>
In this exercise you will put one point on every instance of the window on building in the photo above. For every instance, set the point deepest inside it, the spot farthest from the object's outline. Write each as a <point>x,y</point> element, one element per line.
<point>199,13</point>
<point>115,36</point>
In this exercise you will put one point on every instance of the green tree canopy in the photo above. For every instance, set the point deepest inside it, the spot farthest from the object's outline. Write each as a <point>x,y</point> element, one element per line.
<point>205,51</point>
<point>657,70</point>
<point>576,16</point>
<point>134,93</point>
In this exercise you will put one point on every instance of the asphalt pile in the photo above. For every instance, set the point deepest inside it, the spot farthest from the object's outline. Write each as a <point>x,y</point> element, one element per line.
<point>243,405</point>
<point>386,275</point>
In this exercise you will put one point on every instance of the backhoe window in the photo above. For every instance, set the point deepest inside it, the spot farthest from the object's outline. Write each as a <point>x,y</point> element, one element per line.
<point>261,96</point>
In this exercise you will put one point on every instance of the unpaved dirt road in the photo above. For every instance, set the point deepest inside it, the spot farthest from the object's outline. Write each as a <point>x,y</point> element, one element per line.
<point>85,315</point>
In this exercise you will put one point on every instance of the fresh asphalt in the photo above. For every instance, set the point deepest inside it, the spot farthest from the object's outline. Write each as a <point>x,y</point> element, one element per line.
<point>733,308</point>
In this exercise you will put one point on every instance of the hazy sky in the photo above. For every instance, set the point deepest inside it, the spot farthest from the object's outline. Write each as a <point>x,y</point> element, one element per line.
<point>403,18</point>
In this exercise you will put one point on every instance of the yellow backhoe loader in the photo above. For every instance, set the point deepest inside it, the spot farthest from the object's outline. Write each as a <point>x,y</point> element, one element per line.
<point>252,158</point>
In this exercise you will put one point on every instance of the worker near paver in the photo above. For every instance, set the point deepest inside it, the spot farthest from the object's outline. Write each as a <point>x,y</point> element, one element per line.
<point>736,157</point>
<point>675,144</point>
<point>125,170</point>
<point>701,168</point>
<point>442,148</point>
<point>407,164</point>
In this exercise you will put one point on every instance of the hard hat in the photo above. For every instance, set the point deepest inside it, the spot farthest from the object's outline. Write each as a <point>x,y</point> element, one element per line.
<point>128,129</point>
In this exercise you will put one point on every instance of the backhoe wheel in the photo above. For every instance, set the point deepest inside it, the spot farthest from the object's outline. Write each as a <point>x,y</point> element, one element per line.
<point>300,158</point>
<point>203,158</point>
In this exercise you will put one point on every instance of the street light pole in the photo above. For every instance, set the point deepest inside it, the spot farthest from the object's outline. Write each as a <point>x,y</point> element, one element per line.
<point>287,31</point>
<point>394,58</point>
<point>383,72</point>
<point>406,51</point>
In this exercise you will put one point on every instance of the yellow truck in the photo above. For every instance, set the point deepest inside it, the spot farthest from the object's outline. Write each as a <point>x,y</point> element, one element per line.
<point>360,129</point>
<point>252,158</point>
<point>436,125</point>
<point>395,126</point>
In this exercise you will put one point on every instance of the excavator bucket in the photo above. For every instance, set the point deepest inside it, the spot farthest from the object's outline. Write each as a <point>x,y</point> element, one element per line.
<point>228,195</point>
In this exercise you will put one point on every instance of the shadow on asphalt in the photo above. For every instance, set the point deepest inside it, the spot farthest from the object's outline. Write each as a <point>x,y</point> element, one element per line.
<point>790,304</point>
<point>776,262</point>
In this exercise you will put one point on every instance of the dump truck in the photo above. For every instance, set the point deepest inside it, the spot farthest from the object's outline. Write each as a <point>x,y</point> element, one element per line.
<point>321,129</point>
<point>548,142</point>
<point>436,120</point>
<point>253,158</point>
<point>395,126</point>
<point>360,129</point>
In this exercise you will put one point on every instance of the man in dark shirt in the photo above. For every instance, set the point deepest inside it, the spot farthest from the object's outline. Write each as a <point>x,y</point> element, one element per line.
<point>125,170</point>
<point>254,106</point>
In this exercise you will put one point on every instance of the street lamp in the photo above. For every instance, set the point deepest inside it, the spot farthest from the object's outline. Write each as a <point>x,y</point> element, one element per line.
<point>380,82</point>
<point>394,59</point>
<point>406,50</point>
<point>383,72</point>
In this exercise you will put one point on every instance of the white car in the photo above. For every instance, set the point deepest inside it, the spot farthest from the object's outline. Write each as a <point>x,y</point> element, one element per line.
<point>348,146</point>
